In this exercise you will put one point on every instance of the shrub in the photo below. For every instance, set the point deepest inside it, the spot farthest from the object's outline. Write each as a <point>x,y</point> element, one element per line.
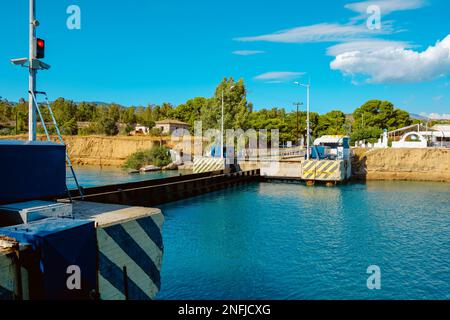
<point>6,131</point>
<point>158,156</point>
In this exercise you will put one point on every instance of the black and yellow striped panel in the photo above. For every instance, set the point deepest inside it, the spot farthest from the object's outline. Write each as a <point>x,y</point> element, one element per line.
<point>208,164</point>
<point>327,170</point>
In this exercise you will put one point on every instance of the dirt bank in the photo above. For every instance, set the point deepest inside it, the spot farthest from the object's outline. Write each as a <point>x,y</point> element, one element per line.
<point>402,164</point>
<point>107,151</point>
<point>103,150</point>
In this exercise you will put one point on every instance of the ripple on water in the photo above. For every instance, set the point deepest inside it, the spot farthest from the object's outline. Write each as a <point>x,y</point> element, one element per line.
<point>287,241</point>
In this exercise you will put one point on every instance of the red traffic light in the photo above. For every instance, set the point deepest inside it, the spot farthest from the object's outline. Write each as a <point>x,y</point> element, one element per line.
<point>40,48</point>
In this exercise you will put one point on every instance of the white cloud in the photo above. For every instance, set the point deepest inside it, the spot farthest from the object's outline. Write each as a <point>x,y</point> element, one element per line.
<point>365,45</point>
<point>438,98</point>
<point>278,76</point>
<point>436,116</point>
<point>324,32</point>
<point>386,6</point>
<point>247,52</point>
<point>396,64</point>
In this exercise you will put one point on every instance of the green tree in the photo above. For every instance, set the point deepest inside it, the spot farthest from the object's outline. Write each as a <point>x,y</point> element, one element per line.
<point>331,123</point>
<point>85,112</point>
<point>370,134</point>
<point>6,111</point>
<point>105,122</point>
<point>191,111</point>
<point>380,114</point>
<point>236,108</point>
<point>128,116</point>
<point>65,112</point>
<point>114,112</point>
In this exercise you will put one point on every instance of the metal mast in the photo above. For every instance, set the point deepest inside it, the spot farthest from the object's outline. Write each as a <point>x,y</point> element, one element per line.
<point>32,76</point>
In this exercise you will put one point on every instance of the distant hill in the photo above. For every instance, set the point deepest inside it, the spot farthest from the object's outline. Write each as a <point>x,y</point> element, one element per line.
<point>417,116</point>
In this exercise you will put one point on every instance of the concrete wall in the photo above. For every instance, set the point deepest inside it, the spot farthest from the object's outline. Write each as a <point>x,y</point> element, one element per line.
<point>281,169</point>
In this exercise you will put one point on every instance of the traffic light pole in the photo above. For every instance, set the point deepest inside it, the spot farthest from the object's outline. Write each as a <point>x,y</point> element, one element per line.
<point>32,76</point>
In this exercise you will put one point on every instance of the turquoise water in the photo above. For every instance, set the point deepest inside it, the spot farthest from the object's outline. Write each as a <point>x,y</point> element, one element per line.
<point>287,241</point>
<point>93,176</point>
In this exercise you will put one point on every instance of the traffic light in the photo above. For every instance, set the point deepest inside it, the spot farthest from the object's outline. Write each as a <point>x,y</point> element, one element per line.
<point>40,48</point>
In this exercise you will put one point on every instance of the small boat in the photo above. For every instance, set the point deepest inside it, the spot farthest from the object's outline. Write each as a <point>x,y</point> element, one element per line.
<point>132,171</point>
<point>149,168</point>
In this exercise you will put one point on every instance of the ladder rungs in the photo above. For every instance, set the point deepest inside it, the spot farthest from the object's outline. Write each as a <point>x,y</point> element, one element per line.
<point>71,176</point>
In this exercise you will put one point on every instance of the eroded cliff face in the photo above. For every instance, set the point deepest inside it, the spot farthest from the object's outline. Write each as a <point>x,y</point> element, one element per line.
<point>104,150</point>
<point>402,164</point>
<point>377,164</point>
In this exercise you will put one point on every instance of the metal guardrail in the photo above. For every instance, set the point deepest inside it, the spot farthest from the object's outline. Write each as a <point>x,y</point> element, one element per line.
<point>269,154</point>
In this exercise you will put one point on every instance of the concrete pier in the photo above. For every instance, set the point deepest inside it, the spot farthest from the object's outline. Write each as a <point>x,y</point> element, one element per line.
<point>130,248</point>
<point>127,248</point>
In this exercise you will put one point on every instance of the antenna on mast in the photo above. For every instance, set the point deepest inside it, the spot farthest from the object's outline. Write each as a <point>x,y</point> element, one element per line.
<point>36,51</point>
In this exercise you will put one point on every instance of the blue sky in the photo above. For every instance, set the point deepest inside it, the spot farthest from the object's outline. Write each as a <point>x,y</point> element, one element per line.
<point>138,52</point>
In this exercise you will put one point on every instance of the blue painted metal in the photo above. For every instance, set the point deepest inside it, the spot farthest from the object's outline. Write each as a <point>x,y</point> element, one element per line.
<point>59,244</point>
<point>318,152</point>
<point>31,170</point>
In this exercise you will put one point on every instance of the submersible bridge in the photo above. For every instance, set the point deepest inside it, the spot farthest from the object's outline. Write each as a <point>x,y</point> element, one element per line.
<point>94,243</point>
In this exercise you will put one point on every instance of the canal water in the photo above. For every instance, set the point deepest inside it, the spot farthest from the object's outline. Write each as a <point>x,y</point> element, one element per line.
<point>93,176</point>
<point>288,241</point>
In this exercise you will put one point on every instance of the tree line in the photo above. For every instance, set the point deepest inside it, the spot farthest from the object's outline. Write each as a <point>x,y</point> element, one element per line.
<point>86,118</point>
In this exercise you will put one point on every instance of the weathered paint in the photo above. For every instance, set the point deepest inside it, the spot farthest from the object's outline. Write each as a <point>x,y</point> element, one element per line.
<point>127,237</point>
<point>326,170</point>
<point>7,275</point>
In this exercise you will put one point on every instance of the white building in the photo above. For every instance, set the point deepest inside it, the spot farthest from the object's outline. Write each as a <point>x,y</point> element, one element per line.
<point>168,126</point>
<point>420,136</point>
<point>140,129</point>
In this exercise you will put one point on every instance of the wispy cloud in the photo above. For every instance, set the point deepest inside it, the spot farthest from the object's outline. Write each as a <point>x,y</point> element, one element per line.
<point>386,6</point>
<point>438,98</point>
<point>248,52</point>
<point>278,76</point>
<point>323,32</point>
<point>396,64</point>
<point>366,45</point>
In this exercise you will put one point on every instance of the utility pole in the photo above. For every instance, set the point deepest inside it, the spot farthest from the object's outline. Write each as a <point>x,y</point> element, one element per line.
<point>308,126</point>
<point>298,104</point>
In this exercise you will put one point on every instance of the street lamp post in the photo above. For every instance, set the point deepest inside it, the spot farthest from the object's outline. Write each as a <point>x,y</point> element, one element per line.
<point>308,127</point>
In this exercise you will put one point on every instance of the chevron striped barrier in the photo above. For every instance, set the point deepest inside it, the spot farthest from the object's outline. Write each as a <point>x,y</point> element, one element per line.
<point>130,255</point>
<point>130,249</point>
<point>325,170</point>
<point>208,164</point>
